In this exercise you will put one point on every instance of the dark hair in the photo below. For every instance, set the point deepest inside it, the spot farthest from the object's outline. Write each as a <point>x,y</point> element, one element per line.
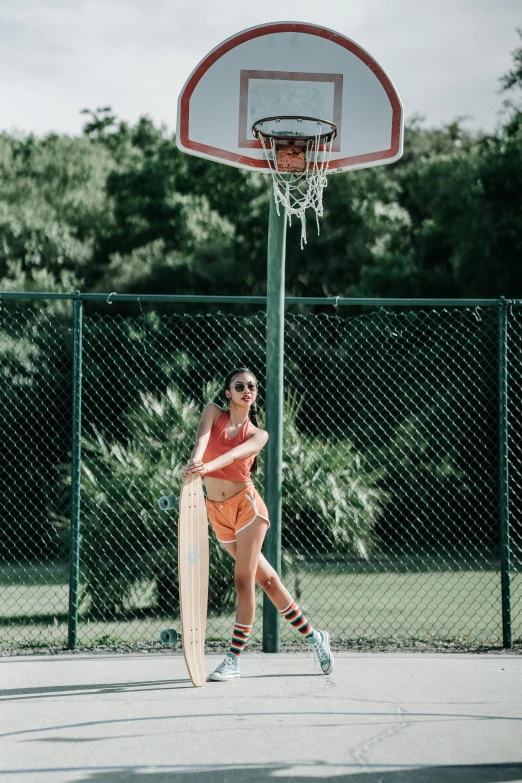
<point>252,413</point>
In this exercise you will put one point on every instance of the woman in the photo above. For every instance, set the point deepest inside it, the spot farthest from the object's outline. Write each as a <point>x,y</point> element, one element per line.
<point>225,455</point>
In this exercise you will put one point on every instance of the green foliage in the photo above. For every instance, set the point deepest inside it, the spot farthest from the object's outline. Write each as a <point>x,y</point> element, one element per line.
<point>38,249</point>
<point>201,250</point>
<point>52,205</point>
<point>359,217</point>
<point>464,233</point>
<point>331,496</point>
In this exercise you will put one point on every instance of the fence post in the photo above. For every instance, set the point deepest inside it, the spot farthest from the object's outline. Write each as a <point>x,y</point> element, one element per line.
<point>74,558</point>
<point>275,314</point>
<point>503,413</point>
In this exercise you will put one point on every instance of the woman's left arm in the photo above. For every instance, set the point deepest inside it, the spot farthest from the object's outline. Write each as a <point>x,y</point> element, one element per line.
<point>249,448</point>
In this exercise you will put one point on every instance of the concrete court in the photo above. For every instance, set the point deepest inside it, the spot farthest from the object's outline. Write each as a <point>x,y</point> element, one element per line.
<point>387,717</point>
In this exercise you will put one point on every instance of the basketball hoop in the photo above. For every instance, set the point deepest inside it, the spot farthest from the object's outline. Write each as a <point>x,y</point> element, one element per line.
<point>297,150</point>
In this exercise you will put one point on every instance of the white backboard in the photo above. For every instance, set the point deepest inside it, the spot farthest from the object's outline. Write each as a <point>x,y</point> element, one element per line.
<point>289,68</point>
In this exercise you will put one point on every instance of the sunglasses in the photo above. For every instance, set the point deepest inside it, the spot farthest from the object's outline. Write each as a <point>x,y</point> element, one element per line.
<point>239,387</point>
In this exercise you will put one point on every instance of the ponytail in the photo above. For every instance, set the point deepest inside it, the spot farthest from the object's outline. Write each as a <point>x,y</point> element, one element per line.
<point>252,414</point>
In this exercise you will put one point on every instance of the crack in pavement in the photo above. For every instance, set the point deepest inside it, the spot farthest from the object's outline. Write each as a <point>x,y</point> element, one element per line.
<point>359,753</point>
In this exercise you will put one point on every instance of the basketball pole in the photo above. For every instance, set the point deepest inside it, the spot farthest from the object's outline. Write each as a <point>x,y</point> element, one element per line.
<point>275,313</point>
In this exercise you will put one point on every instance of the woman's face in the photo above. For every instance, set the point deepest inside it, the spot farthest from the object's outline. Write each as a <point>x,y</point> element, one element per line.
<point>242,390</point>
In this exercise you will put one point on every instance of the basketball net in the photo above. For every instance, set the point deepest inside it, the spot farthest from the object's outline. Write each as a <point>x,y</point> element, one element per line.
<point>300,190</point>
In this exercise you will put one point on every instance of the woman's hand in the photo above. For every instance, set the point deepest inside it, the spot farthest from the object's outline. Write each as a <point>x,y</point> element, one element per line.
<point>194,468</point>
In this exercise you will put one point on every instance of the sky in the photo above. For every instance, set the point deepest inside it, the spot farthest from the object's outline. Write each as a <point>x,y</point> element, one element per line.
<point>58,57</point>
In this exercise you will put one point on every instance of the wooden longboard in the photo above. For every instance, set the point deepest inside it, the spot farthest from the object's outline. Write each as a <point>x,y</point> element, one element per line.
<point>193,568</point>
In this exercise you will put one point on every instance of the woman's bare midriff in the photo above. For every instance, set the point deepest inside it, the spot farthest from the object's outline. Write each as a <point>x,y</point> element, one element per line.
<point>220,489</point>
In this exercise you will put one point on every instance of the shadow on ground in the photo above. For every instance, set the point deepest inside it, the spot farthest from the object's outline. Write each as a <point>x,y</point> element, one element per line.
<point>482,773</point>
<point>92,689</point>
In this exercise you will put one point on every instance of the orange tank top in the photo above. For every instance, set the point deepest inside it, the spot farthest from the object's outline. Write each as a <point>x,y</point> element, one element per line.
<point>219,444</point>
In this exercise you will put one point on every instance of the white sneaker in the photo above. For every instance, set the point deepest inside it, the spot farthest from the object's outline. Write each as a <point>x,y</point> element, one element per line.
<point>228,670</point>
<point>320,641</point>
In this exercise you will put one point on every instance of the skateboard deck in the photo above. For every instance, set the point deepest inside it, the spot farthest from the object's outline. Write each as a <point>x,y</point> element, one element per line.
<point>193,570</point>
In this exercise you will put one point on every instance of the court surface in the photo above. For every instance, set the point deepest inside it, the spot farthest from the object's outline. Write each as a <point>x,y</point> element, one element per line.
<point>387,717</point>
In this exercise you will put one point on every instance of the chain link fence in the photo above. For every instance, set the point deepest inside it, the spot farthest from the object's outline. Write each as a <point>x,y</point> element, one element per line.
<point>393,497</point>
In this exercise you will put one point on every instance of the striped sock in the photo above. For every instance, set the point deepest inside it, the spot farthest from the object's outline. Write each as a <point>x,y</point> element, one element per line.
<point>239,638</point>
<point>294,615</point>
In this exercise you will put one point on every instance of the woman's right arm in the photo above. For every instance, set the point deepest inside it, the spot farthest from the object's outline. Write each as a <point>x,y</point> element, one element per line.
<point>209,417</point>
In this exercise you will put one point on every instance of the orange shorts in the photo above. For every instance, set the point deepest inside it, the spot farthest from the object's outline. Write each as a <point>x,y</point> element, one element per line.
<point>229,517</point>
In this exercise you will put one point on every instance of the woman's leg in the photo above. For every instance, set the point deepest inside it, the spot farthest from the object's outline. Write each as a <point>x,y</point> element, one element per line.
<point>247,553</point>
<point>267,578</point>
<point>247,550</point>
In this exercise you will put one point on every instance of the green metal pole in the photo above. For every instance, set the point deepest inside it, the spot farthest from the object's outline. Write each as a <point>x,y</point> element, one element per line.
<point>275,309</point>
<point>503,412</point>
<point>74,558</point>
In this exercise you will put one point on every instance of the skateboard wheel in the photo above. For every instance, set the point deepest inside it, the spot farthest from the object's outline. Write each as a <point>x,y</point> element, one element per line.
<point>167,502</point>
<point>169,637</point>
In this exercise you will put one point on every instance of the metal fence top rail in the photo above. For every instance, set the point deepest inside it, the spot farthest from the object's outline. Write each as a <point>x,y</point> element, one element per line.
<point>333,301</point>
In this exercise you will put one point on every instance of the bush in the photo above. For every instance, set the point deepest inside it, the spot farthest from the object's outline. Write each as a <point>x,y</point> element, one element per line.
<point>331,497</point>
